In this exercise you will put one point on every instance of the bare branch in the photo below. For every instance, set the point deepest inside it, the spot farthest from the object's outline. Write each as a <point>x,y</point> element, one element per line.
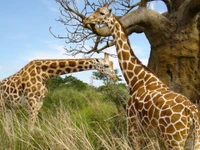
<point>143,3</point>
<point>193,7</point>
<point>65,5</point>
<point>168,3</point>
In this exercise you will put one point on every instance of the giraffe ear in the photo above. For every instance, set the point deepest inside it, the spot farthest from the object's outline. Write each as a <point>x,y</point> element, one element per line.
<point>97,60</point>
<point>106,56</point>
<point>105,5</point>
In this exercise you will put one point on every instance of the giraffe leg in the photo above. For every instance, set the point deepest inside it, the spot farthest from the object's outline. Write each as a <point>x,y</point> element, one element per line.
<point>133,134</point>
<point>31,106</point>
<point>1,103</point>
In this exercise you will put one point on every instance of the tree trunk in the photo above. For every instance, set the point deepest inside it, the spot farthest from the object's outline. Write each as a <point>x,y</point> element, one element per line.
<point>177,61</point>
<point>177,65</point>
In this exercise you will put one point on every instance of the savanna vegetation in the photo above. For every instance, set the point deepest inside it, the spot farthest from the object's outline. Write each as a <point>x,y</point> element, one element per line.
<point>75,116</point>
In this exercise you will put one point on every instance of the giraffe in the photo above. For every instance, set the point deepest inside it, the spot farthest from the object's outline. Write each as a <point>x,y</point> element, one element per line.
<point>27,87</point>
<point>152,104</point>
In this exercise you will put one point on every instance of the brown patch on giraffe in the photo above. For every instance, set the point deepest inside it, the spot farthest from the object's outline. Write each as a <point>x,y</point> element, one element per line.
<point>50,71</point>
<point>39,78</point>
<point>28,84</point>
<point>154,122</point>
<point>75,70</point>
<point>53,65</point>
<point>133,81</point>
<point>38,63</point>
<point>137,69</point>
<point>44,67</point>
<point>123,37</point>
<point>125,56</point>
<point>120,43</point>
<point>33,80</point>
<point>25,78</point>
<point>177,136</point>
<point>33,73</point>
<point>81,62</point>
<point>58,72</point>
<point>31,68</point>
<point>126,47</point>
<point>130,74</point>
<point>162,128</point>
<point>118,34</point>
<point>152,86</point>
<point>68,70</point>
<point>151,109</point>
<point>138,84</point>
<point>119,55</point>
<point>33,88</point>
<point>170,128</point>
<point>177,108</point>
<point>90,66</point>
<point>124,65</point>
<point>72,63</point>
<point>80,67</point>
<point>140,92</point>
<point>62,64</point>
<point>130,66</point>
<point>141,75</point>
<point>169,96</point>
<point>38,70</point>
<point>117,27</point>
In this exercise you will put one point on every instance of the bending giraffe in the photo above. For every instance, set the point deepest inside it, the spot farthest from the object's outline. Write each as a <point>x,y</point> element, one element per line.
<point>27,87</point>
<point>152,104</point>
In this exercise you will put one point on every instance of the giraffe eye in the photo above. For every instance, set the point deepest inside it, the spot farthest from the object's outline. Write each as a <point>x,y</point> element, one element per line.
<point>101,13</point>
<point>106,66</point>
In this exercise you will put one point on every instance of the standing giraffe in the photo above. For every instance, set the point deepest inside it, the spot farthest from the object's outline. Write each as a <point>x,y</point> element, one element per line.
<point>152,104</point>
<point>27,87</point>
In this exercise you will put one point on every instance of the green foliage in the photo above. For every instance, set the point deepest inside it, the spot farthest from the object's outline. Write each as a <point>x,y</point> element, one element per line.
<point>117,93</point>
<point>71,81</point>
<point>100,76</point>
<point>71,118</point>
<point>54,82</point>
<point>68,81</point>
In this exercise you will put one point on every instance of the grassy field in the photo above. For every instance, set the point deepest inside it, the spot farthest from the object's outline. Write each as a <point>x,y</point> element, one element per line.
<point>71,120</point>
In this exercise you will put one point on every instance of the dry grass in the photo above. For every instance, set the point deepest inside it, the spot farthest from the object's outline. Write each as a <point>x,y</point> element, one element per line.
<point>60,132</point>
<point>79,121</point>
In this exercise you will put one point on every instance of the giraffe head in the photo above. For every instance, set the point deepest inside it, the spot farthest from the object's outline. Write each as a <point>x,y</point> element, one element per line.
<point>100,16</point>
<point>105,66</point>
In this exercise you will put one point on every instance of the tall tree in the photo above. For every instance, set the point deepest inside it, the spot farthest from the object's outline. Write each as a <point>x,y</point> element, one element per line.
<point>173,36</point>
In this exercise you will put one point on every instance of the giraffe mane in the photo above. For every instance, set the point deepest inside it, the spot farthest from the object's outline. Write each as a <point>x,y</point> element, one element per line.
<point>131,50</point>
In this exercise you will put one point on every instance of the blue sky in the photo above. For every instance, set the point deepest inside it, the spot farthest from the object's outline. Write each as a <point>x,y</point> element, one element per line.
<point>25,36</point>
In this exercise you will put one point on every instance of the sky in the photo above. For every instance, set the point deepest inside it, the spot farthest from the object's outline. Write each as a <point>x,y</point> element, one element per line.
<point>25,36</point>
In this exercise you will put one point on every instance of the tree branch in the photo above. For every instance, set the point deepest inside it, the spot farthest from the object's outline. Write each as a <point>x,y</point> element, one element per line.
<point>193,7</point>
<point>168,3</point>
<point>139,20</point>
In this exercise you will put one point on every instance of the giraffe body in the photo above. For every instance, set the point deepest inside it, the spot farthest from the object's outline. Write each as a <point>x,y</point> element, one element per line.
<point>27,87</point>
<point>152,104</point>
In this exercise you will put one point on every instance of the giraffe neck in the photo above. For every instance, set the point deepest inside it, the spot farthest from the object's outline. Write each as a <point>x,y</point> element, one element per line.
<point>51,68</point>
<point>132,68</point>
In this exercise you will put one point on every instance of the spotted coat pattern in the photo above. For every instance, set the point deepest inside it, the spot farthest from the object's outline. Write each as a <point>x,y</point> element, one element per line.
<point>152,104</point>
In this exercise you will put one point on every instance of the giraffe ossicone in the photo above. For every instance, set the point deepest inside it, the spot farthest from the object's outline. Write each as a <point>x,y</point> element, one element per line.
<point>151,102</point>
<point>27,87</point>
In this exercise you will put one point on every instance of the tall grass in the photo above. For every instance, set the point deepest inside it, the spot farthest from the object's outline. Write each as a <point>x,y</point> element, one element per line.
<point>74,121</point>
